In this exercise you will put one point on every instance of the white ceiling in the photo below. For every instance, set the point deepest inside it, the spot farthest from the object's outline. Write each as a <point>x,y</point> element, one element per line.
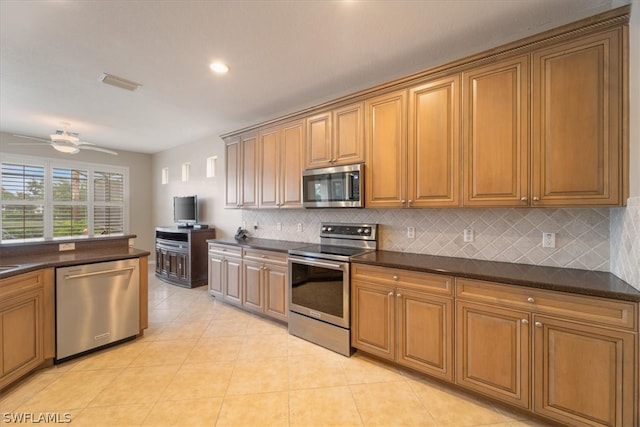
<point>284,56</point>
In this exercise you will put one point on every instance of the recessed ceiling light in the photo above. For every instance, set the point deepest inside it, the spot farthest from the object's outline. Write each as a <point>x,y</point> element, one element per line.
<point>219,67</point>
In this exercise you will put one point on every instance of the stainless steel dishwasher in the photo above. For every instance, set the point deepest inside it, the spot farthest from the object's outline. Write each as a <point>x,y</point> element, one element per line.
<point>96,304</point>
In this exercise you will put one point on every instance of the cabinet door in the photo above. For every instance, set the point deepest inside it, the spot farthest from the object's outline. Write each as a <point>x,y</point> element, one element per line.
<point>216,275</point>
<point>252,284</point>
<point>276,288</point>
<point>492,351</point>
<point>348,138</point>
<point>249,193</point>
<point>496,134</point>
<point>183,267</point>
<point>583,374</point>
<point>373,319</point>
<point>386,146</point>
<point>577,122</point>
<point>171,262</point>
<point>21,329</point>
<point>233,281</point>
<point>232,171</point>
<point>159,260</point>
<point>291,149</point>
<point>269,169</point>
<point>425,333</point>
<point>434,143</point>
<point>318,150</point>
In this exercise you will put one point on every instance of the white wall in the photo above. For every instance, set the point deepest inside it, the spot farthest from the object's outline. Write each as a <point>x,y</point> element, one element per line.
<point>140,208</point>
<point>210,191</point>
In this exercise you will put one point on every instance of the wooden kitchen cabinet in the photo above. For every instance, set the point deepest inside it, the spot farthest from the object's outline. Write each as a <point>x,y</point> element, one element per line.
<point>493,356</point>
<point>581,356</point>
<point>577,122</point>
<point>241,160</point>
<point>495,117</point>
<point>265,283</point>
<point>280,166</point>
<point>225,273</point>
<point>404,316</point>
<point>386,150</point>
<point>27,317</point>
<point>583,374</point>
<point>434,143</point>
<point>335,137</point>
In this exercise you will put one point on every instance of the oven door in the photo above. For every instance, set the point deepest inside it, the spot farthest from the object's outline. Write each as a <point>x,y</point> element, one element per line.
<point>320,289</point>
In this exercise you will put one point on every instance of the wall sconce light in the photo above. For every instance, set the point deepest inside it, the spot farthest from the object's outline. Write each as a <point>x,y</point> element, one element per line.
<point>185,171</point>
<point>211,166</point>
<point>165,176</point>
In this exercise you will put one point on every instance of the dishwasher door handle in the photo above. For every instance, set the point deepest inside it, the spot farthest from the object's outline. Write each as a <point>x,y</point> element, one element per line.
<point>97,273</point>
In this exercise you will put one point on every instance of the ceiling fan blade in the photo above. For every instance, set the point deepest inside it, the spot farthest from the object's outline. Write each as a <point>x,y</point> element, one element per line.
<point>29,143</point>
<point>34,138</point>
<point>103,150</point>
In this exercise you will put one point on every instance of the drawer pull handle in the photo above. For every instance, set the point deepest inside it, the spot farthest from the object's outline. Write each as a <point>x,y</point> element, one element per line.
<point>531,300</point>
<point>538,324</point>
<point>394,277</point>
<point>524,321</point>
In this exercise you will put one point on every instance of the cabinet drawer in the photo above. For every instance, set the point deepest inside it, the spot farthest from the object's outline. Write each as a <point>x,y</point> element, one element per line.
<point>265,256</point>
<point>225,250</point>
<point>426,282</point>
<point>620,314</point>
<point>21,283</point>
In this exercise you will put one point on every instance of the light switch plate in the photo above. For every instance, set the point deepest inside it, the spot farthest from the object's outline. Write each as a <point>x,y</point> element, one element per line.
<point>67,247</point>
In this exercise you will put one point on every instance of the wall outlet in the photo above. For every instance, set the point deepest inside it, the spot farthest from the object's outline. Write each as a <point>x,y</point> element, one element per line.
<point>67,247</point>
<point>255,225</point>
<point>299,227</point>
<point>548,240</point>
<point>411,232</point>
<point>468,235</point>
<point>279,226</point>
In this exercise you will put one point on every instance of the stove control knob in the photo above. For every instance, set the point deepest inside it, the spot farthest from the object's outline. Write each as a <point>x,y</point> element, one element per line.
<point>360,230</point>
<point>329,229</point>
<point>324,228</point>
<point>367,231</point>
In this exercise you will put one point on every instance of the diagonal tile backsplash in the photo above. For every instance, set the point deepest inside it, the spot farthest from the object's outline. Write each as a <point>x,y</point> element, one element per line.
<point>511,235</point>
<point>625,242</point>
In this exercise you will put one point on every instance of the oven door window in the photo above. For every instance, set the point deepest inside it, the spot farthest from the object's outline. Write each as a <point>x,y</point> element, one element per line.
<point>318,288</point>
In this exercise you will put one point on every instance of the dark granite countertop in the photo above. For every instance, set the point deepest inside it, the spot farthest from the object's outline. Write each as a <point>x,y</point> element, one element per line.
<point>25,264</point>
<point>592,283</point>
<point>264,244</point>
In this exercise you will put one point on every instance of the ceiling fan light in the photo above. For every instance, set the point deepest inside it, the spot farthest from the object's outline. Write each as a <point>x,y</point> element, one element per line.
<point>65,148</point>
<point>64,137</point>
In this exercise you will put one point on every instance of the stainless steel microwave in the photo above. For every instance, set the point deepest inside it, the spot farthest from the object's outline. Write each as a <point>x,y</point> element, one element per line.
<point>334,187</point>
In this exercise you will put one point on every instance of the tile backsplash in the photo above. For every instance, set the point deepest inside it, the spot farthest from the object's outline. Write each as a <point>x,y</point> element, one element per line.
<point>625,242</point>
<point>511,235</point>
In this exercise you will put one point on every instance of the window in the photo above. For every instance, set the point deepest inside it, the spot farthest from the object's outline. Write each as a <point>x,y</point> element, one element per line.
<point>49,199</point>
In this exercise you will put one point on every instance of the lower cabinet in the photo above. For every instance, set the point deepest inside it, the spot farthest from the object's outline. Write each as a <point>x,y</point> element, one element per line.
<point>566,357</point>
<point>404,316</point>
<point>255,280</point>
<point>26,323</point>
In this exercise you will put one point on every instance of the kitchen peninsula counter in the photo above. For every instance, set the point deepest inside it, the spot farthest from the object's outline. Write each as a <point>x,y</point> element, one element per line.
<point>262,244</point>
<point>584,282</point>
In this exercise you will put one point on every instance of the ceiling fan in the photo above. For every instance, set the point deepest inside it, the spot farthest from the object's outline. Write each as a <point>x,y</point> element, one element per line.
<point>65,142</point>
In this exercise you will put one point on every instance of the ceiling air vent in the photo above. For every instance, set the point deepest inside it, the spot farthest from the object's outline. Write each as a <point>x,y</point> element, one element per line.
<point>119,82</point>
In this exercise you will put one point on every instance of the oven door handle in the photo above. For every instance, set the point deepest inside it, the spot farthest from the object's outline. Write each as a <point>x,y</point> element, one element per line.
<point>313,263</point>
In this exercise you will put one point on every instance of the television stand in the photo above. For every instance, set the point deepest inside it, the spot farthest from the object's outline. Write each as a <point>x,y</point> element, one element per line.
<point>181,255</point>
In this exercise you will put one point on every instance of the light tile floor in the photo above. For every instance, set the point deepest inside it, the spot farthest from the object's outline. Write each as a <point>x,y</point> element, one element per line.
<point>202,362</point>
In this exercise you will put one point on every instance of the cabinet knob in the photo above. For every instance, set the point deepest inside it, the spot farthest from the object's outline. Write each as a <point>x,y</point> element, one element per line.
<point>391,293</point>
<point>402,201</point>
<point>394,277</point>
<point>410,201</point>
<point>531,300</point>
<point>263,256</point>
<point>524,321</point>
<point>536,198</point>
<point>398,295</point>
<point>538,324</point>
<point>523,198</point>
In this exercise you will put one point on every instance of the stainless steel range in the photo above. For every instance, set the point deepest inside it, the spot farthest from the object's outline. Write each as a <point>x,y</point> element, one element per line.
<point>319,276</point>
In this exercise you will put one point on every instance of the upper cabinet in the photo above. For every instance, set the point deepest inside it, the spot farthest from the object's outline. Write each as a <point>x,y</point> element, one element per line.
<point>496,133</point>
<point>335,137</point>
<point>433,143</point>
<point>577,122</point>
<point>386,136</point>
<point>280,166</point>
<point>241,172</point>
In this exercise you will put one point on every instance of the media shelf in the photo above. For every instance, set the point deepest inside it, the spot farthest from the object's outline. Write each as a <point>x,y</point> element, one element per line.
<point>181,255</point>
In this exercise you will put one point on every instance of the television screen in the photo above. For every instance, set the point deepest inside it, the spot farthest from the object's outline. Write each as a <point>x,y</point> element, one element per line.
<point>185,209</point>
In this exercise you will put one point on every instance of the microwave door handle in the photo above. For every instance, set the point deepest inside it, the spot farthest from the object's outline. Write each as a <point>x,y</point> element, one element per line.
<point>348,186</point>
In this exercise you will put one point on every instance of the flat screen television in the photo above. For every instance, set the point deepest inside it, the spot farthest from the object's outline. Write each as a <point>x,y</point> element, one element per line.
<point>185,210</point>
